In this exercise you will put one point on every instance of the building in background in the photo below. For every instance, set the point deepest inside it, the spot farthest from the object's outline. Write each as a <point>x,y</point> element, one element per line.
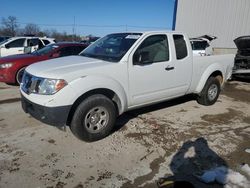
<point>225,19</point>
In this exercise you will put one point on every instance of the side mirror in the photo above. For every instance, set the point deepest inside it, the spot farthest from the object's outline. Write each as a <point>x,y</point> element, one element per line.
<point>141,58</point>
<point>7,46</point>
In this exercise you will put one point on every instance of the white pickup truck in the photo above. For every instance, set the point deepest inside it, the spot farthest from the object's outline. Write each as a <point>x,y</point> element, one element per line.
<point>117,73</point>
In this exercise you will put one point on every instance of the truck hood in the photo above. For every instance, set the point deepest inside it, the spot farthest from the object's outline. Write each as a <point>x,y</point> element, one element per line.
<point>61,67</point>
<point>243,43</point>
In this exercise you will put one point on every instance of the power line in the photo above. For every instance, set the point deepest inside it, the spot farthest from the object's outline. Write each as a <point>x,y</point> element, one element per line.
<point>95,26</point>
<point>102,26</point>
<point>52,25</point>
<point>147,27</point>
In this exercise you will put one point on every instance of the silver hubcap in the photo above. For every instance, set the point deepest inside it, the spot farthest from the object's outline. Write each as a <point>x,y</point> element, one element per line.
<point>212,92</point>
<point>96,119</point>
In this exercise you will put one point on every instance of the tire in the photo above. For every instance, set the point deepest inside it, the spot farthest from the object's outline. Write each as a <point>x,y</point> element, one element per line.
<point>210,92</point>
<point>19,75</point>
<point>94,118</point>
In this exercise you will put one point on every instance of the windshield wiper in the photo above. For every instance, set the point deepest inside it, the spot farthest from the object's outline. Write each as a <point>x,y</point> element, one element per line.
<point>101,57</point>
<point>88,55</point>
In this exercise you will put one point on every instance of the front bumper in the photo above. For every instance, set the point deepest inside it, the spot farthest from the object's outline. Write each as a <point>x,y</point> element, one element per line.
<point>56,116</point>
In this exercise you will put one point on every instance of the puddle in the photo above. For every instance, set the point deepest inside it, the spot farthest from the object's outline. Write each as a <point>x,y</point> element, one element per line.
<point>231,90</point>
<point>224,118</point>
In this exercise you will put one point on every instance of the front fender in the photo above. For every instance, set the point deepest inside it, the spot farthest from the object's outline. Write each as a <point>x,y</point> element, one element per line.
<point>85,84</point>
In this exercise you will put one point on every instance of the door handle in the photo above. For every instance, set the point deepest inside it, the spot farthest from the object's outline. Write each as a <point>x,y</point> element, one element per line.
<point>169,68</point>
<point>20,50</point>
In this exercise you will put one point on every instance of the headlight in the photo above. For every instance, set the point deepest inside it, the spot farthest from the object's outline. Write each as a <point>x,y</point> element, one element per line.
<point>50,86</point>
<point>6,65</point>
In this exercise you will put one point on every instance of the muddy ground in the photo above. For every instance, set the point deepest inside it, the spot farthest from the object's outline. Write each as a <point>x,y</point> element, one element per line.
<point>175,139</point>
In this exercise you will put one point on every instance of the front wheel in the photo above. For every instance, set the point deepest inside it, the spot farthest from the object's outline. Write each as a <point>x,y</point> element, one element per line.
<point>94,118</point>
<point>210,92</point>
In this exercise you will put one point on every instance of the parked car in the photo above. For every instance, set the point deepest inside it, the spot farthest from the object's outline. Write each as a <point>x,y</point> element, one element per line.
<point>12,67</point>
<point>117,73</point>
<point>242,58</point>
<point>3,38</point>
<point>21,45</point>
<point>200,45</point>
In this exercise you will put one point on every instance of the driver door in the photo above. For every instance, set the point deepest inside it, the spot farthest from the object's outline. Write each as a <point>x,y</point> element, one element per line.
<point>151,73</point>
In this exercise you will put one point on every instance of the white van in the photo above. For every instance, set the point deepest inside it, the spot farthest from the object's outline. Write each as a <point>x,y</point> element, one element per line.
<point>21,45</point>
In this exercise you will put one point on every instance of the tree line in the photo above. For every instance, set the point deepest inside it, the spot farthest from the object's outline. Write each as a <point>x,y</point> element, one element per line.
<point>10,27</point>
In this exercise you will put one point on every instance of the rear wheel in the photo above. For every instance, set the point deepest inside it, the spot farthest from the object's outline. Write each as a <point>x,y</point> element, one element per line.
<point>94,118</point>
<point>210,92</point>
<point>19,75</point>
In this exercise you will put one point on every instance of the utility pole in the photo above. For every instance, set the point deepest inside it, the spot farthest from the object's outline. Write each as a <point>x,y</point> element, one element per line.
<point>74,28</point>
<point>174,14</point>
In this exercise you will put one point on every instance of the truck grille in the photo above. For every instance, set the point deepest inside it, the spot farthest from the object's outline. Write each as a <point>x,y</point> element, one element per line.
<point>30,83</point>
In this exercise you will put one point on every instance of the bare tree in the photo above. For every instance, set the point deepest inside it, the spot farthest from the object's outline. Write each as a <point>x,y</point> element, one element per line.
<point>10,26</point>
<point>31,29</point>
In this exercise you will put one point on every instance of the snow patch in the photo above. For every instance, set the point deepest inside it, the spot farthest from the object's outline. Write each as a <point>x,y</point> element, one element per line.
<point>227,177</point>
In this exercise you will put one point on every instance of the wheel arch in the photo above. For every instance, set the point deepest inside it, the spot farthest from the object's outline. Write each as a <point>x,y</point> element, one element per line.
<point>217,73</point>
<point>104,91</point>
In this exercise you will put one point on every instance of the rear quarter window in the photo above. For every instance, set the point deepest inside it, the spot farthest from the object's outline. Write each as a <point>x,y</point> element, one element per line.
<point>180,47</point>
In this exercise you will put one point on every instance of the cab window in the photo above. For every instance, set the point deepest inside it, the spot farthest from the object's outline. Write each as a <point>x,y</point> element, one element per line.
<point>16,43</point>
<point>152,50</point>
<point>33,42</point>
<point>180,47</point>
<point>40,44</point>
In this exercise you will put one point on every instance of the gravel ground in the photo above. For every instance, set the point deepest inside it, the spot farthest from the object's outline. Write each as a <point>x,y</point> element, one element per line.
<point>175,139</point>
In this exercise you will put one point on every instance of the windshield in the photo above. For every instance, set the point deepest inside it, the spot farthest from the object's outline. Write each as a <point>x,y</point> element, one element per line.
<point>45,50</point>
<point>111,47</point>
<point>4,41</point>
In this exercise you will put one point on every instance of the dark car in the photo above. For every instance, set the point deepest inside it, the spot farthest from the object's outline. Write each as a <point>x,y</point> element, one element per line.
<point>242,58</point>
<point>12,67</point>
